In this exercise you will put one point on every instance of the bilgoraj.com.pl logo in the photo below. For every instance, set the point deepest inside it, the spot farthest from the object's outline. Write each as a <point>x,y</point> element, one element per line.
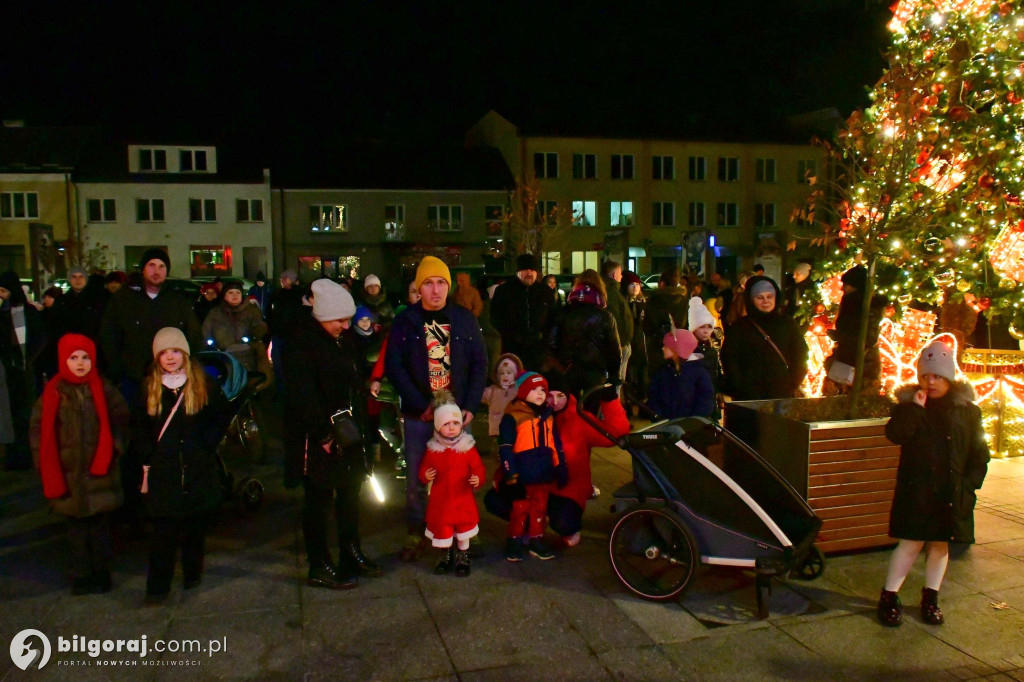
<point>31,649</point>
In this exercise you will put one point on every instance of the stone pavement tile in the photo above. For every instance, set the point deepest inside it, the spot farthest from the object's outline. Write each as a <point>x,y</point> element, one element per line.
<point>763,654</point>
<point>993,528</point>
<point>1011,548</point>
<point>264,645</point>
<point>981,569</point>
<point>243,583</point>
<point>586,670</point>
<point>379,639</point>
<point>501,625</point>
<point>638,664</point>
<point>865,576</point>
<point>597,619</point>
<point>666,621</point>
<point>828,599</point>
<point>1000,677</point>
<point>728,597</point>
<point>858,647</point>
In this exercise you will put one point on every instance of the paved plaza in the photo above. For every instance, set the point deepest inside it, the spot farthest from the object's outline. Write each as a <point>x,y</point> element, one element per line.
<point>564,619</point>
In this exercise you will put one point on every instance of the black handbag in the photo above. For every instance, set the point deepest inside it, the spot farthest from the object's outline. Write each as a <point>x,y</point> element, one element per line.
<point>346,430</point>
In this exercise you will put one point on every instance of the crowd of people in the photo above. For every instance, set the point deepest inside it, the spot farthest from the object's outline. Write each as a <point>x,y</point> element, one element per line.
<point>127,419</point>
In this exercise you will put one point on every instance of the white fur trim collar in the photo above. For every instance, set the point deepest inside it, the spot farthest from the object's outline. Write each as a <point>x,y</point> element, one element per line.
<point>463,443</point>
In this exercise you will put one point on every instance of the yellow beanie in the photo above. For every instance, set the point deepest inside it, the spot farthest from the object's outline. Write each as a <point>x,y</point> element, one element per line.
<point>432,267</point>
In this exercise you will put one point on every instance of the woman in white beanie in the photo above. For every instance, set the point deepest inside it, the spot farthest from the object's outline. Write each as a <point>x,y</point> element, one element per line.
<point>702,323</point>
<point>322,378</point>
<point>183,418</point>
<point>943,461</point>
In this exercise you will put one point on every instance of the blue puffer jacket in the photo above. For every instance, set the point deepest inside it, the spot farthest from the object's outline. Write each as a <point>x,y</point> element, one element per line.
<point>686,393</point>
<point>406,359</point>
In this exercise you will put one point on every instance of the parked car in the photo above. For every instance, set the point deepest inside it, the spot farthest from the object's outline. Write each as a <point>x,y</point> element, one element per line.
<point>246,284</point>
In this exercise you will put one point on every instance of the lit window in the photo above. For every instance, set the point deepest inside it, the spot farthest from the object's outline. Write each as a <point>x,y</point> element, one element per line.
<point>328,218</point>
<point>621,213</point>
<point>584,213</point>
<point>444,218</point>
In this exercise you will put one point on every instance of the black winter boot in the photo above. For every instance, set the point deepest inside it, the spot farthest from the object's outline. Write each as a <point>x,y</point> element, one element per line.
<point>462,563</point>
<point>352,552</point>
<point>930,612</point>
<point>447,562</point>
<point>889,613</point>
<point>323,574</point>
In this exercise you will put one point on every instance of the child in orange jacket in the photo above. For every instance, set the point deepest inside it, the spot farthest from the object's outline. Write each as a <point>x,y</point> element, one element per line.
<point>452,466</point>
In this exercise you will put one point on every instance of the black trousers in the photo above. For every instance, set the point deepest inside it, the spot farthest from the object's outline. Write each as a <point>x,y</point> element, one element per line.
<point>188,534</point>
<point>316,512</point>
<point>90,550</point>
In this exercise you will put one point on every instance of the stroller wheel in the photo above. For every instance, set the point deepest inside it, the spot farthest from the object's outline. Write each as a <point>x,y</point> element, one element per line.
<point>249,495</point>
<point>812,566</point>
<point>653,553</point>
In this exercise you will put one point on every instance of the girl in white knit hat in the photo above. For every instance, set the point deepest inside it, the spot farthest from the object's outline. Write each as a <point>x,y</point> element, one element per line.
<point>453,468</point>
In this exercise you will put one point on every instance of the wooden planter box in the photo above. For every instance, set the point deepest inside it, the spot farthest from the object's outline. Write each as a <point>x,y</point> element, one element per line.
<point>846,470</point>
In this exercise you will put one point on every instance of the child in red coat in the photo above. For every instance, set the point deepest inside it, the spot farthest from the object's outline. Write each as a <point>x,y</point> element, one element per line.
<point>453,467</point>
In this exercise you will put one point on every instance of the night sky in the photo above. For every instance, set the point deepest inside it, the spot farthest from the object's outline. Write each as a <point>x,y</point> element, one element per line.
<point>289,76</point>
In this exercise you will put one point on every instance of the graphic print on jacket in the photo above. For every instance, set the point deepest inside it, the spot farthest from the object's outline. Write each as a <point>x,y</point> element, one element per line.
<point>438,338</point>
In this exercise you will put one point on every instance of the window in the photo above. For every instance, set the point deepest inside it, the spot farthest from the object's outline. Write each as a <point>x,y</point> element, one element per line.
<point>698,168</point>
<point>584,213</point>
<point>394,222</point>
<point>545,165</point>
<point>728,214</point>
<point>552,261</point>
<point>328,218</point>
<point>805,170</point>
<point>101,210</point>
<point>19,204</point>
<point>149,210</point>
<point>152,159</point>
<point>663,214</point>
<point>663,167</point>
<point>249,210</point>
<point>192,160</point>
<point>622,166</point>
<point>764,215</point>
<point>728,168</point>
<point>444,218</point>
<point>202,210</point>
<point>494,215</point>
<point>585,260</point>
<point>209,261</point>
<point>547,212</point>
<point>697,214</point>
<point>765,170</point>
<point>621,213</point>
<point>584,166</point>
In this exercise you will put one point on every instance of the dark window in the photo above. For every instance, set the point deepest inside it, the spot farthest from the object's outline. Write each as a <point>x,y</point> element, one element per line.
<point>698,168</point>
<point>160,159</point>
<point>185,157</point>
<point>728,168</point>
<point>200,158</point>
<point>146,159</point>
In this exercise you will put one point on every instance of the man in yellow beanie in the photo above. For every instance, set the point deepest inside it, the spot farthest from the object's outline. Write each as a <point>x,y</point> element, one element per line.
<point>434,345</point>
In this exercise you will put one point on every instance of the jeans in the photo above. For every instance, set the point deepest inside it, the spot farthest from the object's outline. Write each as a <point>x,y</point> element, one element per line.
<point>417,433</point>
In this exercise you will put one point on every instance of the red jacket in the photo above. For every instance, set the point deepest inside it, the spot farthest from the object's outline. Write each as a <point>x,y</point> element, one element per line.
<point>451,499</point>
<point>578,437</point>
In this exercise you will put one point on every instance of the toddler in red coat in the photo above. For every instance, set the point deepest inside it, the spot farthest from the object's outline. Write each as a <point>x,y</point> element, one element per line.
<point>453,468</point>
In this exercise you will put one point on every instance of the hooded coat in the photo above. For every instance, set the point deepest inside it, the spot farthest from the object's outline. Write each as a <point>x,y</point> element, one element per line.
<point>753,369</point>
<point>578,437</point>
<point>522,315</point>
<point>586,343</point>
<point>686,392</point>
<point>467,295</point>
<point>380,306</point>
<point>943,461</point>
<point>78,432</point>
<point>451,502</point>
<point>229,325</point>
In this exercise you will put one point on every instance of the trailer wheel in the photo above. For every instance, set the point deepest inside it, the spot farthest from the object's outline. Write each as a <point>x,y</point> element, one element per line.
<point>653,553</point>
<point>812,566</point>
<point>249,495</point>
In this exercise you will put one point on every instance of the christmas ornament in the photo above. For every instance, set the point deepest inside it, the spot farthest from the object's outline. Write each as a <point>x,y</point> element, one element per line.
<point>963,286</point>
<point>1016,333</point>
<point>944,279</point>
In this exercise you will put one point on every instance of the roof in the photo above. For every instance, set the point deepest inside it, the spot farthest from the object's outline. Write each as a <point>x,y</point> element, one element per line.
<point>379,165</point>
<point>45,150</point>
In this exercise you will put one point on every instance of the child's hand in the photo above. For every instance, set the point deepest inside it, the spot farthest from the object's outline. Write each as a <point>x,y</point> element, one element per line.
<point>374,388</point>
<point>921,397</point>
<point>430,474</point>
<point>474,481</point>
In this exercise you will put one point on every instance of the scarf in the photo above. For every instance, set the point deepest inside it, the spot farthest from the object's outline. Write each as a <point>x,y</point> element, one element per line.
<point>55,485</point>
<point>174,380</point>
<point>584,293</point>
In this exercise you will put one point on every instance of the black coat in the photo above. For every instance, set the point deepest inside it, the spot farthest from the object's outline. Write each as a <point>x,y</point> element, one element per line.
<point>616,305</point>
<point>184,471</point>
<point>751,367</point>
<point>130,322</point>
<point>521,315</point>
<point>322,378</point>
<point>943,461</point>
<point>848,328</point>
<point>586,343</point>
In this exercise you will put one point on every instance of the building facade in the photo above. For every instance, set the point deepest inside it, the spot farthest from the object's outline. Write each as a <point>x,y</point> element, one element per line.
<point>650,204</point>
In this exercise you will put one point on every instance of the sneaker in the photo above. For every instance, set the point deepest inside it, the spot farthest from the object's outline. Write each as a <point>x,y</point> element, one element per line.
<point>514,550</point>
<point>539,550</point>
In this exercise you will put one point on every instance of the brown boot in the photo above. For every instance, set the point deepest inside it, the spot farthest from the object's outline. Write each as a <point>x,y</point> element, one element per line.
<point>889,613</point>
<point>930,612</point>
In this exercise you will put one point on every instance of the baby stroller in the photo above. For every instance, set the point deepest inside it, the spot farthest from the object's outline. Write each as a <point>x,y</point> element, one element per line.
<point>699,494</point>
<point>240,387</point>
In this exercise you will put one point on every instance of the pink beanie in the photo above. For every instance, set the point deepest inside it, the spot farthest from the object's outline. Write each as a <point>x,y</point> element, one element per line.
<point>681,342</point>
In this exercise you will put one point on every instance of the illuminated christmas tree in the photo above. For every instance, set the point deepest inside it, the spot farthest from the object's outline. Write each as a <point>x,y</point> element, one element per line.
<point>927,181</point>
